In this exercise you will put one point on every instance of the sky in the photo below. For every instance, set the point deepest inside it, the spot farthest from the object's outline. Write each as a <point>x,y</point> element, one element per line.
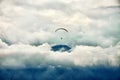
<point>27,32</point>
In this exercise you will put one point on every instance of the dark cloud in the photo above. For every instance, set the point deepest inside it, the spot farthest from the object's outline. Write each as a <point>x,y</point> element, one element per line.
<point>61,73</point>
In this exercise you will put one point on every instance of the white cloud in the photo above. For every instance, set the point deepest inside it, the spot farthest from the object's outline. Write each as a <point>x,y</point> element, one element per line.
<point>2,44</point>
<point>25,25</point>
<point>20,54</point>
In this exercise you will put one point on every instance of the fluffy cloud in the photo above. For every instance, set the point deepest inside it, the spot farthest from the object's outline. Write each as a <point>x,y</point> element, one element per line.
<point>26,25</point>
<point>2,44</point>
<point>21,55</point>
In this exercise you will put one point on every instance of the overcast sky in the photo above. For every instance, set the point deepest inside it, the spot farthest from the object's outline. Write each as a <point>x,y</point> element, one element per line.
<point>27,27</point>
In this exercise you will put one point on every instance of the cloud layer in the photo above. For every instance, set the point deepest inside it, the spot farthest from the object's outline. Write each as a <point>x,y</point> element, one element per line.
<point>21,55</point>
<point>27,32</point>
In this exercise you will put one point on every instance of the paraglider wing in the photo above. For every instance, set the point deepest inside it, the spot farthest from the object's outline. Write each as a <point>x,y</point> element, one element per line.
<point>61,29</point>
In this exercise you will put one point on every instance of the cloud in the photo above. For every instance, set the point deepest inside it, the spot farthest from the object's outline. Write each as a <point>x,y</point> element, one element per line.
<point>29,24</point>
<point>2,44</point>
<point>27,28</point>
<point>21,55</point>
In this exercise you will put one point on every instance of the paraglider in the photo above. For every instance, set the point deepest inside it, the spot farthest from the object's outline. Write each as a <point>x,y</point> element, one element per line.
<point>59,29</point>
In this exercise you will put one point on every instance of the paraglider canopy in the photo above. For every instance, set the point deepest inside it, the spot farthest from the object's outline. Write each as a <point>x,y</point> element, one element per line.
<point>61,29</point>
